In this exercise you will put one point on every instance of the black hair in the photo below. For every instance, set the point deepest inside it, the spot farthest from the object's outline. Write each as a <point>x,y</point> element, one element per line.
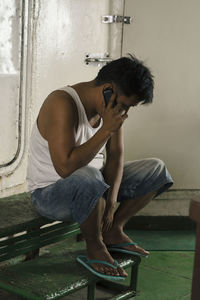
<point>130,75</point>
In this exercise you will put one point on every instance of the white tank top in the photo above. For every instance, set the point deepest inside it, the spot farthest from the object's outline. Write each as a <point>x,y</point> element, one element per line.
<point>41,172</point>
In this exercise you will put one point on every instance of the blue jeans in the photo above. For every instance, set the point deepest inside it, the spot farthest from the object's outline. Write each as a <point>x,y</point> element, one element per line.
<point>73,198</point>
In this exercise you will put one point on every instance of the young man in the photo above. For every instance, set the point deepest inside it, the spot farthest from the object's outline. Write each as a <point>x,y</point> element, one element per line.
<point>67,174</point>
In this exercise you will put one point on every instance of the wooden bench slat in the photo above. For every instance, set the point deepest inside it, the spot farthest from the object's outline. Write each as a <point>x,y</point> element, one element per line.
<point>29,247</point>
<point>43,233</point>
<point>22,244</point>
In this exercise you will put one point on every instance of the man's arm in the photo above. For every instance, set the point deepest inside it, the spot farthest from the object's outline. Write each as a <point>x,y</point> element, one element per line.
<point>57,123</point>
<point>114,164</point>
<point>113,172</point>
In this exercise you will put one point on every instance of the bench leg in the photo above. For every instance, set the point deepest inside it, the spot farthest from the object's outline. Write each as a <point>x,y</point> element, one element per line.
<point>134,277</point>
<point>79,237</point>
<point>33,253</point>
<point>91,291</point>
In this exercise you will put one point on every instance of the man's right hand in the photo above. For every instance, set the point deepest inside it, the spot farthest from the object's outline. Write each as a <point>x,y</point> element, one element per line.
<point>114,116</point>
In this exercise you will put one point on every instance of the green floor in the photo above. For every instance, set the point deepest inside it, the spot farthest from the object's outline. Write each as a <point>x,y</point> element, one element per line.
<point>165,275</point>
<point>164,240</point>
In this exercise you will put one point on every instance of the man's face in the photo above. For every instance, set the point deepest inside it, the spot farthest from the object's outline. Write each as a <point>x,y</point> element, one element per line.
<point>127,102</point>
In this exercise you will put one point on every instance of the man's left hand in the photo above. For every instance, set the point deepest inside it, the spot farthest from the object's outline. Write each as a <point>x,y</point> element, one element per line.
<point>108,218</point>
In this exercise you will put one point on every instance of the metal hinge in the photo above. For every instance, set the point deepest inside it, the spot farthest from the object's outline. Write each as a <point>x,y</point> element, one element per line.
<point>97,58</point>
<point>116,19</point>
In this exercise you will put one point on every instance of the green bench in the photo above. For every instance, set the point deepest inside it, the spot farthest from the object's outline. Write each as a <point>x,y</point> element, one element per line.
<point>52,272</point>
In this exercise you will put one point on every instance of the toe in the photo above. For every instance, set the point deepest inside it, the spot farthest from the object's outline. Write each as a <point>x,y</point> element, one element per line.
<point>142,251</point>
<point>106,270</point>
<point>122,272</point>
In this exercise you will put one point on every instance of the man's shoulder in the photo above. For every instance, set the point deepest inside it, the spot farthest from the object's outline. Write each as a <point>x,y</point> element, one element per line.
<point>58,109</point>
<point>58,100</point>
<point>61,96</point>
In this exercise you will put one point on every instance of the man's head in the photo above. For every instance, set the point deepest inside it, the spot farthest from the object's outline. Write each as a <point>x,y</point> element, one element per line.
<point>130,76</point>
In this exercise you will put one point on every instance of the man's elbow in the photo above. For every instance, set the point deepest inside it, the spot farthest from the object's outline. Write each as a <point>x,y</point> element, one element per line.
<point>64,169</point>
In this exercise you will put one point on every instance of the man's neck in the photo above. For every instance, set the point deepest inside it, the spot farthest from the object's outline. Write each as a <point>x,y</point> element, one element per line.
<point>87,92</point>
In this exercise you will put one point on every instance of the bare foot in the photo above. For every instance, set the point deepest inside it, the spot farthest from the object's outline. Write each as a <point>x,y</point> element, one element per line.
<point>116,236</point>
<point>100,252</point>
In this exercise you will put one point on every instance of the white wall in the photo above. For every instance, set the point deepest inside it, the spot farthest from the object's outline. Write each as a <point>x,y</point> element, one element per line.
<point>165,34</point>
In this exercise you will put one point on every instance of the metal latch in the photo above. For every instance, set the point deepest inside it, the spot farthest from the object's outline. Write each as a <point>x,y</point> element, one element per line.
<point>97,58</point>
<point>116,19</point>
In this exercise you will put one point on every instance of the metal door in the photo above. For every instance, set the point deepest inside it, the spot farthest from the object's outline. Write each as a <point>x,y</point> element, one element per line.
<point>11,19</point>
<point>46,46</point>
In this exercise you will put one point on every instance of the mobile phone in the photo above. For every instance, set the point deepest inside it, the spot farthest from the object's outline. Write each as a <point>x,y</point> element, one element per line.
<point>107,95</point>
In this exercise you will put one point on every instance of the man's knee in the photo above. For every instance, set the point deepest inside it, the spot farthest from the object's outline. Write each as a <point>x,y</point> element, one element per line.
<point>157,164</point>
<point>144,170</point>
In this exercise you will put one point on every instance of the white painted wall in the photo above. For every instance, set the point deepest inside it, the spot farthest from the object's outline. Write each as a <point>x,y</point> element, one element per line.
<point>165,35</point>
